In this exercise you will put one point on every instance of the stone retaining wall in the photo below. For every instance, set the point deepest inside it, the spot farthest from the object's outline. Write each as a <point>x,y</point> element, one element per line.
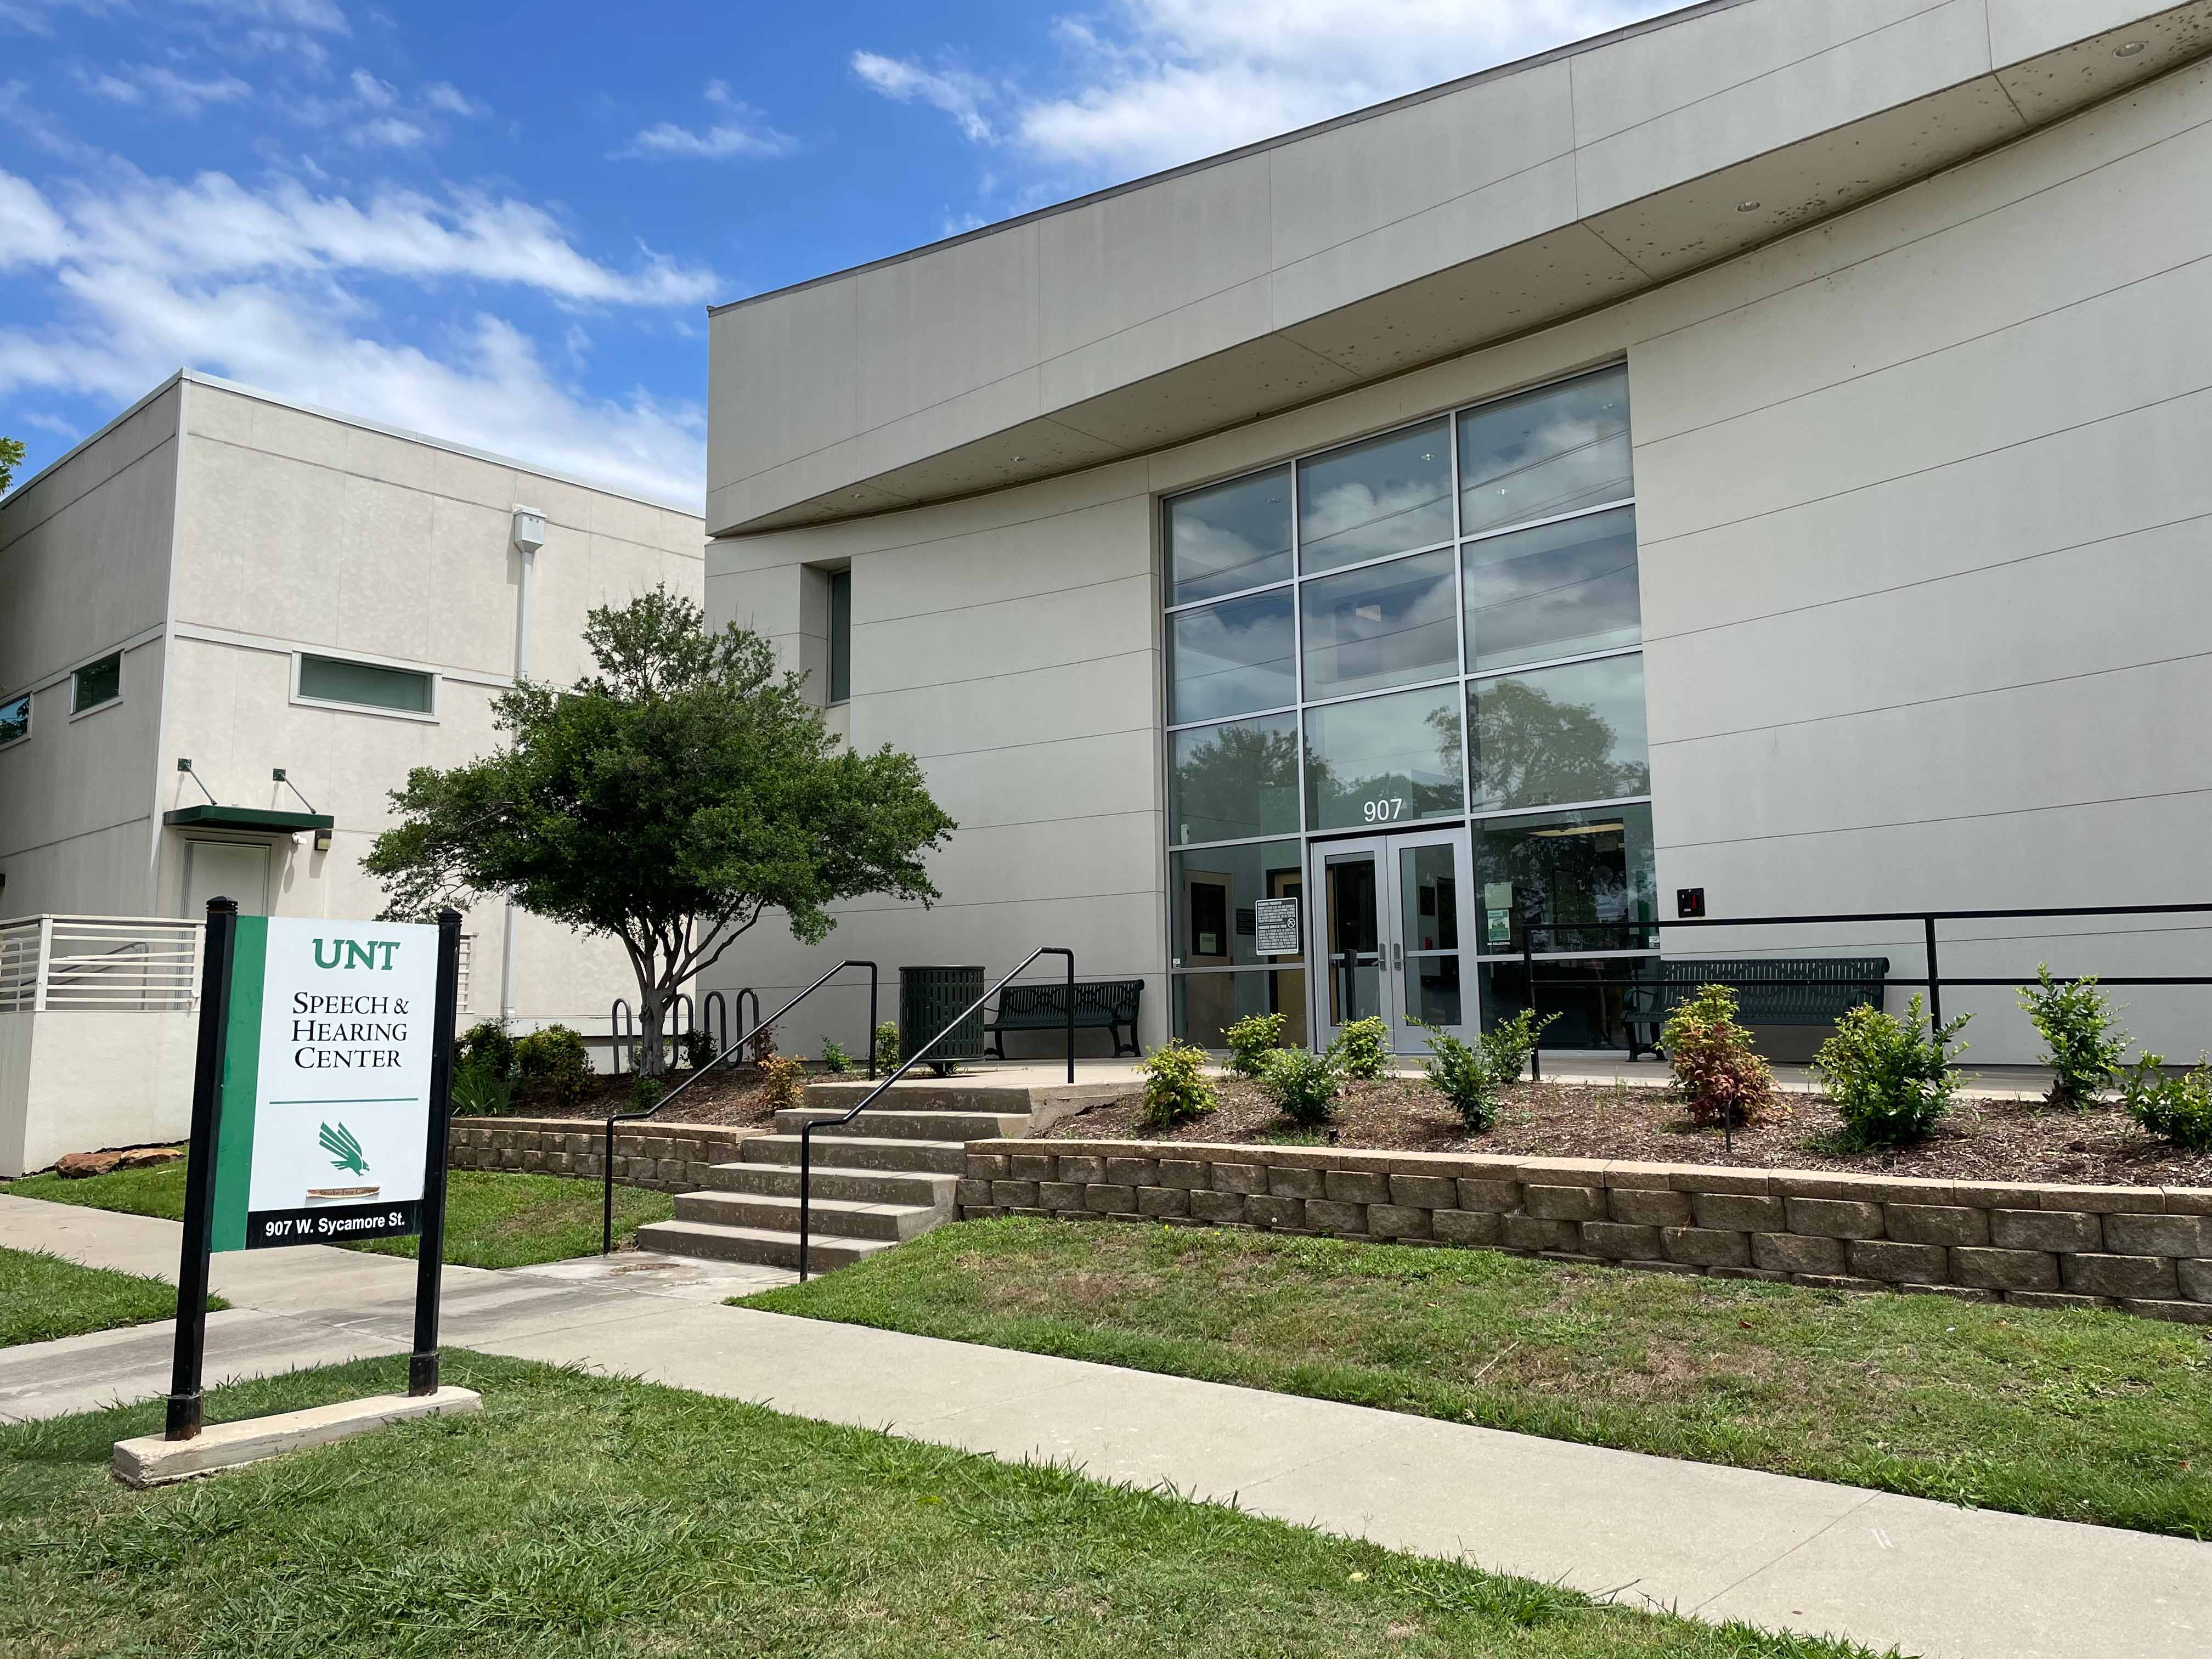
<point>2146,1250</point>
<point>667,1158</point>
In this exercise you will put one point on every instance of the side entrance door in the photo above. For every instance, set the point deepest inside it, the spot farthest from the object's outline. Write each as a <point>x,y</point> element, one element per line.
<point>1390,916</point>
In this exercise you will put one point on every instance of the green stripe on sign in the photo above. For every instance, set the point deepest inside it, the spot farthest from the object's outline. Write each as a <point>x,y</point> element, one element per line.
<point>241,1080</point>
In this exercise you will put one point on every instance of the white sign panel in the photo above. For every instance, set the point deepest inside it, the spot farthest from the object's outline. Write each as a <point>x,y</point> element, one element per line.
<point>1276,922</point>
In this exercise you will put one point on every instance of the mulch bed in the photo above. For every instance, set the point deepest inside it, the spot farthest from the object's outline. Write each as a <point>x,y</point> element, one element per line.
<point>734,1095</point>
<point>1982,1139</point>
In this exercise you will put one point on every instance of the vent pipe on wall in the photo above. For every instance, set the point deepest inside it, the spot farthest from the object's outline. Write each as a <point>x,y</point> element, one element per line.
<point>529,536</point>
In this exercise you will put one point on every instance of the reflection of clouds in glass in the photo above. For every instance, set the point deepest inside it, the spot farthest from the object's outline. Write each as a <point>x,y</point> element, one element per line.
<point>1230,536</point>
<point>1549,453</point>
<point>1370,499</point>
<point>1553,590</point>
<point>1386,625</point>
<point>1231,658</point>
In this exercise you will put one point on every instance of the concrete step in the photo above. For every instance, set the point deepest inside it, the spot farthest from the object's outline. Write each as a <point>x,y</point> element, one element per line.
<point>845,1218</point>
<point>910,1126</point>
<point>766,1247</point>
<point>862,1186</point>
<point>859,1153</point>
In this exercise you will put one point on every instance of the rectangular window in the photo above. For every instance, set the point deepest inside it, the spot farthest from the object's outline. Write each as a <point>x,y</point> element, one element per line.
<point>1556,869</point>
<point>1560,735</point>
<point>1560,590</point>
<point>1384,760</point>
<point>840,635</point>
<point>96,682</point>
<point>1235,782</point>
<point>1229,537</point>
<point>1545,453</point>
<point>1381,625</point>
<point>1382,496</point>
<point>365,686</point>
<point>1217,894</point>
<point>16,720</point>
<point>1230,659</point>
<point>1208,1004</point>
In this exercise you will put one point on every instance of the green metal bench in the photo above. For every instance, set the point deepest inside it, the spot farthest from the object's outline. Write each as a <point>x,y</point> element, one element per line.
<point>1101,1004</point>
<point>1770,991</point>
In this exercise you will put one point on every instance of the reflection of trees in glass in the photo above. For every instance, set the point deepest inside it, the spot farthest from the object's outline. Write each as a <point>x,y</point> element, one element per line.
<point>1531,750</point>
<point>1238,780</point>
<point>1576,870</point>
<point>1375,751</point>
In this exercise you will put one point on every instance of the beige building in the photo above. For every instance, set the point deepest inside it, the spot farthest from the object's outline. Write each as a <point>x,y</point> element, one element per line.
<point>300,607</point>
<point>1799,405</point>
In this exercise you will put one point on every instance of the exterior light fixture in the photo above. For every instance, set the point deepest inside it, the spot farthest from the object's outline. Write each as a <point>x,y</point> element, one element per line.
<point>1746,207</point>
<point>2131,49</point>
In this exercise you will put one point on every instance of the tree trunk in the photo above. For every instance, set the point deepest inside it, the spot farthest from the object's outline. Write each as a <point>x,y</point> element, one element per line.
<point>651,1011</point>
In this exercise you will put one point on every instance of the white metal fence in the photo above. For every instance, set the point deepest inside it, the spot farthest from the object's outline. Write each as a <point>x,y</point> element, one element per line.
<point>116,963</point>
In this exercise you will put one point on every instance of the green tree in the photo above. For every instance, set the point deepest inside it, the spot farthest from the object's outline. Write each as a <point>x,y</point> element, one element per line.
<point>671,800</point>
<point>11,457</point>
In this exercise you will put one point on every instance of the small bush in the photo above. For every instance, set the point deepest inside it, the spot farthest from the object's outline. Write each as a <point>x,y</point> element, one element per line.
<point>1251,1040</point>
<point>835,1060</point>
<point>477,1093</point>
<point>2082,1043</point>
<point>1892,1078</point>
<point>784,1082</point>
<point>486,1047</point>
<point>763,1045</point>
<point>698,1048</point>
<point>645,1092</point>
<point>1723,1082</point>
<point>2175,1107</point>
<point>887,1045</point>
<point>1303,1084</point>
<point>1362,1049</point>
<point>1176,1089</point>
<point>554,1063</point>
<point>1473,1075</point>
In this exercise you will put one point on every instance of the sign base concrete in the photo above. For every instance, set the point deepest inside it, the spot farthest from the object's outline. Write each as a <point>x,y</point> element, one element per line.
<point>150,1460</point>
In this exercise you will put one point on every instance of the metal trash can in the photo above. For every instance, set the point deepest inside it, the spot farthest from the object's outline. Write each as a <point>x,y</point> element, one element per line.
<point>928,999</point>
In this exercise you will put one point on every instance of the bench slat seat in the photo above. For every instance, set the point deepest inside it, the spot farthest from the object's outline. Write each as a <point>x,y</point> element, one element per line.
<point>1101,1004</point>
<point>1769,990</point>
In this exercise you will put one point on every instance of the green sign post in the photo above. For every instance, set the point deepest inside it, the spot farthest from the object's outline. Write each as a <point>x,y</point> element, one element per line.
<point>320,1101</point>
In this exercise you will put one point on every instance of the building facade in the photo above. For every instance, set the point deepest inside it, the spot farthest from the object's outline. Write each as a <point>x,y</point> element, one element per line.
<point>229,626</point>
<point>1756,455</point>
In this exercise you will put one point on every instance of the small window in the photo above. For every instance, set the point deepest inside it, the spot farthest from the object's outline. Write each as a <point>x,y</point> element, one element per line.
<point>97,683</point>
<point>366,685</point>
<point>840,635</point>
<point>16,720</point>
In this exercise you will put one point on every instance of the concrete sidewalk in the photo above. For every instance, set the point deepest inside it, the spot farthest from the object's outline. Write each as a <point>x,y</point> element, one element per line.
<point>1720,1543</point>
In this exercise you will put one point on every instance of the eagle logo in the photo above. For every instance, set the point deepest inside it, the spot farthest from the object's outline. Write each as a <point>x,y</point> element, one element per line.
<point>345,1149</point>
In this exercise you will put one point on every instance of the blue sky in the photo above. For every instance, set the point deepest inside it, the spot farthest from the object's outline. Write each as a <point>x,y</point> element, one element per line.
<point>501,223</point>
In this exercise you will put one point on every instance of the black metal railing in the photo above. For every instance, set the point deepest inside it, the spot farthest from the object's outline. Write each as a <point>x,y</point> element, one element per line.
<point>1934,979</point>
<point>607,1160</point>
<point>807,1129</point>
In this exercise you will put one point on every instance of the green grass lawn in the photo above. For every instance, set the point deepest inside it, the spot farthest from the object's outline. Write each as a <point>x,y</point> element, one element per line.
<point>42,1297</point>
<point>2082,1416</point>
<point>583,1517</point>
<point>492,1219</point>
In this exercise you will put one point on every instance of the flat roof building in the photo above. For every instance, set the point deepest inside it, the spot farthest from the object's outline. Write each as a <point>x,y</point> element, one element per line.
<point>1755,459</point>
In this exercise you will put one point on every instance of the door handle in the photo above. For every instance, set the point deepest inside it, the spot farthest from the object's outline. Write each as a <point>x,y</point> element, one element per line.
<point>1398,953</point>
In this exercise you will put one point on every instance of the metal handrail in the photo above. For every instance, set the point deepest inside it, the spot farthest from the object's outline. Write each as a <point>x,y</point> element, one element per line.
<point>807,1129</point>
<point>607,1162</point>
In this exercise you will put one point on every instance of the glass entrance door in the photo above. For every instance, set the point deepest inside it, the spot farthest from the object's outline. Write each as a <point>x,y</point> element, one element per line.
<point>1393,913</point>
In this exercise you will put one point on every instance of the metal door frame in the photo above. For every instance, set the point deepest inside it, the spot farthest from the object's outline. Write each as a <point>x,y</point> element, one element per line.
<point>1384,850</point>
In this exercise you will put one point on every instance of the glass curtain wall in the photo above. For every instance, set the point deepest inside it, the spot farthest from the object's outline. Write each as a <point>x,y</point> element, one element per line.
<point>1434,626</point>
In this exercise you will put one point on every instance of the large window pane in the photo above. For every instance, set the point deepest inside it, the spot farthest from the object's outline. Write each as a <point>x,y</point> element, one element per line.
<point>332,679</point>
<point>1551,871</point>
<point>1233,781</point>
<point>1556,591</point>
<point>1545,453</point>
<point>1592,1002</point>
<point>1232,536</point>
<point>1386,495</point>
<point>1384,760</point>
<point>1216,897</point>
<point>97,683</point>
<point>1231,658</point>
<point>1384,625</point>
<point>1208,1004</point>
<point>1574,733</point>
<point>15,719</point>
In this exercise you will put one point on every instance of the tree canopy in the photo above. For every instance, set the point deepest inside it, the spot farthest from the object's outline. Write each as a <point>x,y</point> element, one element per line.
<point>11,457</point>
<point>672,801</point>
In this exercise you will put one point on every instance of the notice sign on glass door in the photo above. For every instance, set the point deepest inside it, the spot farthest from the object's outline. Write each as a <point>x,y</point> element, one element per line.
<point>326,1096</point>
<point>1276,923</point>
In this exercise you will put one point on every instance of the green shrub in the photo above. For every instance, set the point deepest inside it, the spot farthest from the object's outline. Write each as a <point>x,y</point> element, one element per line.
<point>1892,1078</point>
<point>2175,1107</point>
<point>1303,1084</point>
<point>1362,1049</point>
<point>1251,1040</point>
<point>645,1092</point>
<point>486,1047</point>
<point>784,1082</point>
<point>699,1048</point>
<point>554,1063</point>
<point>1723,1081</point>
<point>2082,1043</point>
<point>887,1045</point>
<point>835,1060</point>
<point>1473,1075</point>
<point>1176,1089</point>
<point>477,1093</point>
<point>763,1045</point>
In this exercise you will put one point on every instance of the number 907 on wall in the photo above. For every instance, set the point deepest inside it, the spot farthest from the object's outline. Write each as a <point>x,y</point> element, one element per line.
<point>1386,809</point>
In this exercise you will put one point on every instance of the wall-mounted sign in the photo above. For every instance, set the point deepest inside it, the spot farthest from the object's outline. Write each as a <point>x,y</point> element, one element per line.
<point>1277,923</point>
<point>1497,915</point>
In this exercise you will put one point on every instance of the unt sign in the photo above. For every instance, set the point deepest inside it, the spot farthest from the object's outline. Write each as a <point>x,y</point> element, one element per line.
<point>318,1106</point>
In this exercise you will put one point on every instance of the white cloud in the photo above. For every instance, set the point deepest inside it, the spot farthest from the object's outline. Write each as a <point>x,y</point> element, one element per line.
<point>388,132</point>
<point>1151,84</point>
<point>960,94</point>
<point>265,286</point>
<point>134,82</point>
<point>449,99</point>
<point>745,133</point>
<point>322,14</point>
<point>377,94</point>
<point>36,16</point>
